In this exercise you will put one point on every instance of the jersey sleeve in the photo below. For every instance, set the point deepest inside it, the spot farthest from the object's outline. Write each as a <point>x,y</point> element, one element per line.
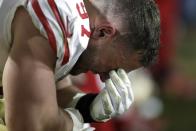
<point>48,20</point>
<point>65,23</point>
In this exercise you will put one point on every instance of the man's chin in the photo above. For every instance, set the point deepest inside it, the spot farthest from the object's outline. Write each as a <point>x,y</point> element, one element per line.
<point>74,73</point>
<point>103,76</point>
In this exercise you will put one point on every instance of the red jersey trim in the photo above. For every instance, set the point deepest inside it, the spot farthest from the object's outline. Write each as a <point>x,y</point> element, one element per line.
<point>65,33</point>
<point>47,27</point>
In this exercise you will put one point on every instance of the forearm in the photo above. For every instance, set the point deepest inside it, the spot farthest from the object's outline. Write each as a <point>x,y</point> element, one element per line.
<point>39,121</point>
<point>31,104</point>
<point>66,92</point>
<point>72,97</point>
<point>22,115</point>
<point>65,96</point>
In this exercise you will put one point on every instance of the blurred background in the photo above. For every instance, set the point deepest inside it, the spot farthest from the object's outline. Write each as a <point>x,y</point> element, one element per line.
<point>166,92</point>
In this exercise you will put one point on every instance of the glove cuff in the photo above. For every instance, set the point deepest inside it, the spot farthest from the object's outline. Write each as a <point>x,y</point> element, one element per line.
<point>75,100</point>
<point>83,105</point>
<point>76,118</point>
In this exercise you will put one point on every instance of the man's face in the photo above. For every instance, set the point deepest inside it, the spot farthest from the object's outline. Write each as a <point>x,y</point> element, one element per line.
<point>103,55</point>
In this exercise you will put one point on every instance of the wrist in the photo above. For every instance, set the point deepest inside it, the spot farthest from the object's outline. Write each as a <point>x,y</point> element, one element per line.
<point>83,105</point>
<point>76,119</point>
<point>75,99</point>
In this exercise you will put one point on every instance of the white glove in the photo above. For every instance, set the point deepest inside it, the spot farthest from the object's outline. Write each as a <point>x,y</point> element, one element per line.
<point>114,99</point>
<point>77,119</point>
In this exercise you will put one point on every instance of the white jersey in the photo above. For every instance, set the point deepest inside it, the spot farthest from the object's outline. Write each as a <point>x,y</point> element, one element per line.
<point>64,23</point>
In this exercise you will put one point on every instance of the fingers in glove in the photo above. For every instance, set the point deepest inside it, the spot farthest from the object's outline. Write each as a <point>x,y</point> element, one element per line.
<point>121,88</point>
<point>124,77</point>
<point>102,107</point>
<point>118,83</point>
<point>107,104</point>
<point>115,97</point>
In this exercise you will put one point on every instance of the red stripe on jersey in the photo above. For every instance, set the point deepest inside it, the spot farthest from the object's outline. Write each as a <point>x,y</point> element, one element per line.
<point>61,24</point>
<point>47,27</point>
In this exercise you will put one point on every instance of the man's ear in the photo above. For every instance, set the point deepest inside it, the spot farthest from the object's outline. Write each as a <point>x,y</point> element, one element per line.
<point>103,30</point>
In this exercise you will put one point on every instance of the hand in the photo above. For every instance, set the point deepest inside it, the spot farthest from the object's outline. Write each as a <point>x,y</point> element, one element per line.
<point>114,99</point>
